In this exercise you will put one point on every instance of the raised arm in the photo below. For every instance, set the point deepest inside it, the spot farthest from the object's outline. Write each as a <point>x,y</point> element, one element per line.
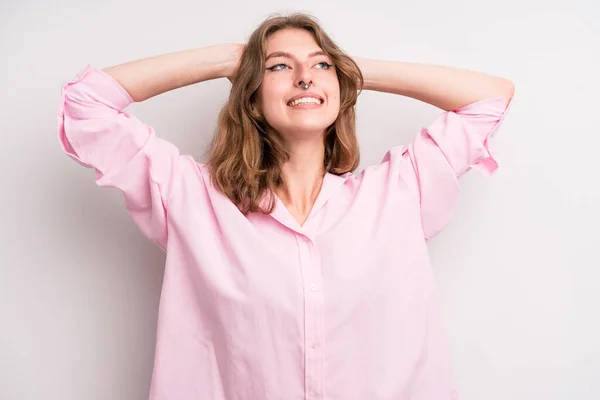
<point>445,87</point>
<point>458,140</point>
<point>95,130</point>
<point>151,76</point>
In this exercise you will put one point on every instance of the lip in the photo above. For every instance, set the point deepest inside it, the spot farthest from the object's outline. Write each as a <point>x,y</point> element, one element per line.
<point>306,94</point>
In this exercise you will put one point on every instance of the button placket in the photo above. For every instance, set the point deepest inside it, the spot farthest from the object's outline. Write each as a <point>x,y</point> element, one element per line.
<point>313,301</point>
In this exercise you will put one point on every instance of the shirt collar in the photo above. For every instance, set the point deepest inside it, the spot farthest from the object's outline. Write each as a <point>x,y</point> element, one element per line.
<point>331,184</point>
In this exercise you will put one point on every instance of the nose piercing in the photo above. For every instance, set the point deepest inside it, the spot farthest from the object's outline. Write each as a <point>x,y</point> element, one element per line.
<point>305,85</point>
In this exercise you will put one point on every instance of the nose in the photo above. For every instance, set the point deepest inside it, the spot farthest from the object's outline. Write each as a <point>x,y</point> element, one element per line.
<point>304,75</point>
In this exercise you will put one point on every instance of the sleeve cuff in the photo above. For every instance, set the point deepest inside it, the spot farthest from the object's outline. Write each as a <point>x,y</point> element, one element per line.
<point>103,87</point>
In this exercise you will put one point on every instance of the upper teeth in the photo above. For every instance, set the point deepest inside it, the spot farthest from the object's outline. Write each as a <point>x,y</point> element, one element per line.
<point>305,100</point>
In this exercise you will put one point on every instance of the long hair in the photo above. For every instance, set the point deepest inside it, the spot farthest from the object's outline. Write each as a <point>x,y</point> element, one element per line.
<point>245,157</point>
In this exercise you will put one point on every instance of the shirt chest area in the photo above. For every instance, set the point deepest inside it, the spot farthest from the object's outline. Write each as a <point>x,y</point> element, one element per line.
<point>264,265</point>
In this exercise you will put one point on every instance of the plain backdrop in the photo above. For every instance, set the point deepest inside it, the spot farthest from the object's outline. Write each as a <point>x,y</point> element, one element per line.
<point>518,269</point>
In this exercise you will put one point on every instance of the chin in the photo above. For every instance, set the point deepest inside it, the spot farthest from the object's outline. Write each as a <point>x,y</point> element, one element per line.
<point>306,130</point>
<point>301,126</point>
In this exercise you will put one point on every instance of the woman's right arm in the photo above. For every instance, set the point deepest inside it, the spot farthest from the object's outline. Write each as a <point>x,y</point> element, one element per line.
<point>151,76</point>
<point>94,129</point>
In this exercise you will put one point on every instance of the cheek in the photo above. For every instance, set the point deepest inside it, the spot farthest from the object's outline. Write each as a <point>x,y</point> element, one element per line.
<point>270,94</point>
<point>269,104</point>
<point>335,95</point>
<point>334,89</point>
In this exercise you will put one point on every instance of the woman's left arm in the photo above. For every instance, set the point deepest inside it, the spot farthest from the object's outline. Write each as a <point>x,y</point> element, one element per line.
<point>445,87</point>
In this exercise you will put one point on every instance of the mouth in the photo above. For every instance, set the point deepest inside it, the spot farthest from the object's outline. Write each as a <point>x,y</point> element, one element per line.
<point>305,100</point>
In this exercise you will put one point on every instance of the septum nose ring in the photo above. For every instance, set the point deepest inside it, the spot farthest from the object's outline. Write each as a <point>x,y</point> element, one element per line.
<point>305,85</point>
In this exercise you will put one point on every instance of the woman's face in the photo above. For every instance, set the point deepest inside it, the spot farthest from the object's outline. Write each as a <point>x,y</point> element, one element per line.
<point>296,113</point>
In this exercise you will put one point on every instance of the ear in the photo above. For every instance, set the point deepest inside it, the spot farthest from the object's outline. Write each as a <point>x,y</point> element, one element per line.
<point>256,102</point>
<point>256,110</point>
<point>256,107</point>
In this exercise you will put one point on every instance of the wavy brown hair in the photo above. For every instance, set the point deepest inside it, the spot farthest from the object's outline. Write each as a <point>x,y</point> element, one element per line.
<point>246,155</point>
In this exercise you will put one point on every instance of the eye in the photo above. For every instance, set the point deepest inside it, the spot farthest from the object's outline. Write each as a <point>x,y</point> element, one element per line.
<point>278,67</point>
<point>324,65</point>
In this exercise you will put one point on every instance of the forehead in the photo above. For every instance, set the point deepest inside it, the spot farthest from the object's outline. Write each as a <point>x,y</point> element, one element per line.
<point>292,40</point>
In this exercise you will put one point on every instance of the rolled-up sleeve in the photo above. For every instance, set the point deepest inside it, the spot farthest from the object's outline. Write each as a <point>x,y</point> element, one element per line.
<point>94,130</point>
<point>454,143</point>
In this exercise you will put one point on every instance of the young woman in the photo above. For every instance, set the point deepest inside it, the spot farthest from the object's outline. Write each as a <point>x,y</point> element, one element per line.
<point>288,276</point>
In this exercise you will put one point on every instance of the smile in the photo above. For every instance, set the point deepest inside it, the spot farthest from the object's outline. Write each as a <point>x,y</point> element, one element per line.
<point>305,101</point>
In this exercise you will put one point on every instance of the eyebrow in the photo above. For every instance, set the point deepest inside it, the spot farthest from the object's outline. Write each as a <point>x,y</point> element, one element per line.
<point>288,55</point>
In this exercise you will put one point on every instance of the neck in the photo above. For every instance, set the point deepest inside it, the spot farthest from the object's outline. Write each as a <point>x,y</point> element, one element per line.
<point>303,176</point>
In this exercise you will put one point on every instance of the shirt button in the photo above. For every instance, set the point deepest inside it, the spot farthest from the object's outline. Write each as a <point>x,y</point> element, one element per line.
<point>306,239</point>
<point>314,345</point>
<point>313,287</point>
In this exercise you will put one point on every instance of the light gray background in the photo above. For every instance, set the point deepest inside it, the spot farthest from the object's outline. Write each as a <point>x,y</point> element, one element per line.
<point>518,269</point>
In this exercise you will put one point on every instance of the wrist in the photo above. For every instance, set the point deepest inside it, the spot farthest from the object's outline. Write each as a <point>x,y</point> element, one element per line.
<point>366,69</point>
<point>232,53</point>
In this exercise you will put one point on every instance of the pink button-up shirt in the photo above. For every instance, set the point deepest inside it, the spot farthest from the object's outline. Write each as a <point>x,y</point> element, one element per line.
<point>259,308</point>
